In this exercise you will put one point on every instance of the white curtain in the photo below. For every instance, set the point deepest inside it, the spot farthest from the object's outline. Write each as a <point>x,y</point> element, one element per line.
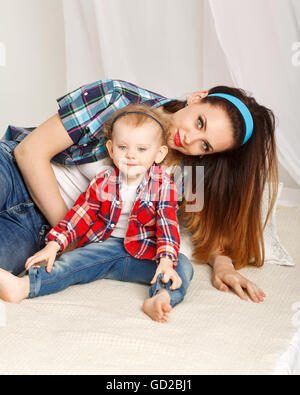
<point>153,43</point>
<point>158,44</point>
<point>259,39</point>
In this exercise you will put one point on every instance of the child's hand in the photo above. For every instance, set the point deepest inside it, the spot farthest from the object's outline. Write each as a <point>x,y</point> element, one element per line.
<point>47,254</point>
<point>166,267</point>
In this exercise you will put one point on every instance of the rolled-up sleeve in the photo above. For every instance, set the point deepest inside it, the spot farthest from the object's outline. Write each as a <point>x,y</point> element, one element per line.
<point>79,218</point>
<point>80,107</point>
<point>167,232</point>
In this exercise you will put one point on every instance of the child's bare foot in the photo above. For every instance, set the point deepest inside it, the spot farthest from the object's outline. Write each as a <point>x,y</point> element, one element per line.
<point>12,288</point>
<point>158,307</point>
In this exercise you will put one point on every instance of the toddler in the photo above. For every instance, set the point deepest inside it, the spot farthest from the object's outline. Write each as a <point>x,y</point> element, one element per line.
<point>125,222</point>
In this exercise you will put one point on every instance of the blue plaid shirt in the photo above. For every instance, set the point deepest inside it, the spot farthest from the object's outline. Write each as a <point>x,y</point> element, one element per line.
<point>83,113</point>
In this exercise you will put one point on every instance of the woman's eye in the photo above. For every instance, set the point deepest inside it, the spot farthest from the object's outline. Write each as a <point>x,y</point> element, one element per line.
<point>200,123</point>
<point>205,146</point>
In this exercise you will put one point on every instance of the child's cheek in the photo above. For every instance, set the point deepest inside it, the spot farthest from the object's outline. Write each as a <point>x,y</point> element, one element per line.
<point>117,160</point>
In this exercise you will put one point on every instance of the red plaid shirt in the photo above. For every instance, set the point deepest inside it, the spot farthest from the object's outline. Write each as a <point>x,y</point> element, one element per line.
<point>152,228</point>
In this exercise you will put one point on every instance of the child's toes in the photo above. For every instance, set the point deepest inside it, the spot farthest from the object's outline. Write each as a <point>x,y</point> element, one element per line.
<point>162,320</point>
<point>166,308</point>
<point>158,308</point>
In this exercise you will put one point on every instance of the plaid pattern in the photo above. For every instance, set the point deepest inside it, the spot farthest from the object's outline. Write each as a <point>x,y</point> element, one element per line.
<point>83,113</point>
<point>153,226</point>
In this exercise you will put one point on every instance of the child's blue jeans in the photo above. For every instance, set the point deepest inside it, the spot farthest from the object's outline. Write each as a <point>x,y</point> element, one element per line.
<point>110,260</point>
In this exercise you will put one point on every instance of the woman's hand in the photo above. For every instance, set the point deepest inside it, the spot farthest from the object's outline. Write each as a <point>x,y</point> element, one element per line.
<point>225,277</point>
<point>47,254</point>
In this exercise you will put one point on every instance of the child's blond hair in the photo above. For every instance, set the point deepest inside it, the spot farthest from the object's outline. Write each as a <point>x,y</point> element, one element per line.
<point>137,115</point>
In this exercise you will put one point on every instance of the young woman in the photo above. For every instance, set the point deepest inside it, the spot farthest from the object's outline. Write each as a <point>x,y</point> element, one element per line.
<point>42,176</point>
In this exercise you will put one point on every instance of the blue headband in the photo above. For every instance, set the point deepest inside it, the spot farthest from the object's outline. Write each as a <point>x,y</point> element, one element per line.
<point>243,110</point>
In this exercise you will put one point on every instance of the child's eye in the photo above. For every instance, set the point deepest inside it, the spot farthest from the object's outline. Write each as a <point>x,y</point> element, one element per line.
<point>142,149</point>
<point>122,147</point>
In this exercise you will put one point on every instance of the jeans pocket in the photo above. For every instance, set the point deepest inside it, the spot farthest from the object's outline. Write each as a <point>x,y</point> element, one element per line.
<point>27,216</point>
<point>8,148</point>
<point>23,209</point>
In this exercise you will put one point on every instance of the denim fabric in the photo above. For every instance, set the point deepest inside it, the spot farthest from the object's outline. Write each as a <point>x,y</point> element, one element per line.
<point>22,226</point>
<point>107,259</point>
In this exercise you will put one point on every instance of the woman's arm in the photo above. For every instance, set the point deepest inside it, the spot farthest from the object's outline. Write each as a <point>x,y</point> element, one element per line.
<point>225,277</point>
<point>33,156</point>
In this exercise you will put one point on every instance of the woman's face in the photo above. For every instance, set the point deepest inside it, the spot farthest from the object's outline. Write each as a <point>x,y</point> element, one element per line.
<point>200,128</point>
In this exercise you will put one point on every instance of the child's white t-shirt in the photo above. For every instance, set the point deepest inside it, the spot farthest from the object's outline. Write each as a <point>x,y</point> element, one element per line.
<point>128,196</point>
<point>73,180</point>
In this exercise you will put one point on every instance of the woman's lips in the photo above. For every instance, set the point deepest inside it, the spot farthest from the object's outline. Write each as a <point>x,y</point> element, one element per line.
<point>177,139</point>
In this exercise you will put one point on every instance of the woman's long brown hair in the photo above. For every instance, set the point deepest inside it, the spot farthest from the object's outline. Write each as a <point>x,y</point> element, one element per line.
<point>230,222</point>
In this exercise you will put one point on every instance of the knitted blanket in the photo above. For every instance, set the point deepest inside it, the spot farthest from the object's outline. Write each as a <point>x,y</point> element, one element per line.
<point>99,328</point>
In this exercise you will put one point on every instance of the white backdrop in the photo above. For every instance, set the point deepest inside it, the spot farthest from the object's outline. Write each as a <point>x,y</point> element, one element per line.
<point>159,45</point>
<point>156,44</point>
<point>33,74</point>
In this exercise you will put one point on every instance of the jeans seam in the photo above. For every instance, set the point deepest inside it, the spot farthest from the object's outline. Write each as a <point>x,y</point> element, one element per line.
<point>12,211</point>
<point>29,203</point>
<point>32,274</point>
<point>81,268</point>
<point>10,153</point>
<point>127,258</point>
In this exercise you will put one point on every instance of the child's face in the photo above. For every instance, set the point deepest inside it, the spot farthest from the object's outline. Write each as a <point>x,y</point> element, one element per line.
<point>134,149</point>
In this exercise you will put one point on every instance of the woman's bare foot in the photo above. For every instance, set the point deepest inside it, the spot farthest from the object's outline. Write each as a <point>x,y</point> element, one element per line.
<point>12,288</point>
<point>158,307</point>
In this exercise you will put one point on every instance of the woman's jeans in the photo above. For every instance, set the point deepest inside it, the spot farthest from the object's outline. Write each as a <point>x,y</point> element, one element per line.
<point>22,226</point>
<point>110,260</point>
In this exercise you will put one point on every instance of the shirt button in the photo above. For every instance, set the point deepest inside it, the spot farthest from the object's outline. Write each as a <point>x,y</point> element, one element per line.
<point>150,204</point>
<point>112,225</point>
<point>117,202</point>
<point>85,145</point>
<point>86,93</point>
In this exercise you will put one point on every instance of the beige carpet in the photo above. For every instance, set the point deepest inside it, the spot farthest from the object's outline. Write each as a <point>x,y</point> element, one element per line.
<point>99,328</point>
